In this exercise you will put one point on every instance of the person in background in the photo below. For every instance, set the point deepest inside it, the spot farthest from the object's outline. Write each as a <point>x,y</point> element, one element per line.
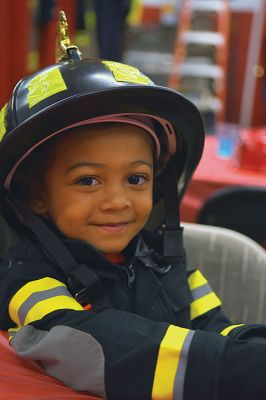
<point>111,22</point>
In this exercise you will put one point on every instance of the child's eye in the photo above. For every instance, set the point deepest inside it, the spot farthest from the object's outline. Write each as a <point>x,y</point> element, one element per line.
<point>87,181</point>
<point>137,179</point>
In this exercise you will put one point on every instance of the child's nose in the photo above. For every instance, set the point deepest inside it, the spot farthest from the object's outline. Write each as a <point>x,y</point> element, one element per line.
<point>115,198</point>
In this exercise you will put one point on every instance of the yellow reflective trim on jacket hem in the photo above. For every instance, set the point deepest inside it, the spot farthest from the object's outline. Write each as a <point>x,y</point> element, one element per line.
<point>37,286</point>
<point>228,329</point>
<point>196,279</point>
<point>167,363</point>
<point>204,304</point>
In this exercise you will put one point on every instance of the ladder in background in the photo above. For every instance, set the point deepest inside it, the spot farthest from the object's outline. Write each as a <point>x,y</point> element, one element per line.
<point>208,75</point>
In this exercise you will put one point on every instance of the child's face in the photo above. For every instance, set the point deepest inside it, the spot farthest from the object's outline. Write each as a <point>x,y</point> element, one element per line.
<point>98,187</point>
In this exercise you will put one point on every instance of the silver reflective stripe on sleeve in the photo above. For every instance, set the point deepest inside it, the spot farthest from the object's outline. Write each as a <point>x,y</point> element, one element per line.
<point>180,375</point>
<point>201,291</point>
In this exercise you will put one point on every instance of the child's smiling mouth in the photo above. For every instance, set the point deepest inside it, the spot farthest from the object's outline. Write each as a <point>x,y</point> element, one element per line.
<point>115,227</point>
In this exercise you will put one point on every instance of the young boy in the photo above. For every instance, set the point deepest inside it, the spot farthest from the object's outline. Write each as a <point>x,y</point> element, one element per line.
<point>90,150</point>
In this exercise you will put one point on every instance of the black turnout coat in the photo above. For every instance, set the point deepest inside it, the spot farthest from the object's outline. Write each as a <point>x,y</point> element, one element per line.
<point>148,329</point>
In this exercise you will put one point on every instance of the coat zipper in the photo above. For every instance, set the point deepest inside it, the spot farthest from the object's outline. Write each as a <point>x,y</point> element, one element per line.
<point>130,275</point>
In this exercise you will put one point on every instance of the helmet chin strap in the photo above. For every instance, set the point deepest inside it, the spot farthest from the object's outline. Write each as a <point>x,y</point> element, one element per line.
<point>172,231</point>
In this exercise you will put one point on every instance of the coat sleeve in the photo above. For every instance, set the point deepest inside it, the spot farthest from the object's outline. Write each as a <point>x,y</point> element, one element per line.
<point>119,355</point>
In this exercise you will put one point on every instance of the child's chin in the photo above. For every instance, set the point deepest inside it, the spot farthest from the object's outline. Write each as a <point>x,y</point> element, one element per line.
<point>112,249</point>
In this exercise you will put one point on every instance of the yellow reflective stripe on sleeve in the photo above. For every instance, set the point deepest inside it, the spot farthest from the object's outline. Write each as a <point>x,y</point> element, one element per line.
<point>167,363</point>
<point>44,85</point>
<point>45,307</point>
<point>228,329</point>
<point>204,304</point>
<point>38,298</point>
<point>196,279</point>
<point>27,290</point>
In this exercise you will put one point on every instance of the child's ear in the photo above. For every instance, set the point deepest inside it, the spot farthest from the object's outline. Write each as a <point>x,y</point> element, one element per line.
<point>37,199</point>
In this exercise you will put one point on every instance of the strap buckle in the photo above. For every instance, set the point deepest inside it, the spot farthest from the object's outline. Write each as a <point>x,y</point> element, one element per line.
<point>82,296</point>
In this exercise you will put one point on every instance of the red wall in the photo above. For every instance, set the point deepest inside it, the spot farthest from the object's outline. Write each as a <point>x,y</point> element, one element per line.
<point>238,48</point>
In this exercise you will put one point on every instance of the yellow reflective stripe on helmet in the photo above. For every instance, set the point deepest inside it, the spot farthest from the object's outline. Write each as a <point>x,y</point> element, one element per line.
<point>45,85</point>
<point>204,299</point>
<point>2,121</point>
<point>126,73</point>
<point>229,329</point>
<point>38,298</point>
<point>171,363</point>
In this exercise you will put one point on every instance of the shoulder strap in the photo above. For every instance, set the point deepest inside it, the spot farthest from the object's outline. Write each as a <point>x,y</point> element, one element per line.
<point>84,284</point>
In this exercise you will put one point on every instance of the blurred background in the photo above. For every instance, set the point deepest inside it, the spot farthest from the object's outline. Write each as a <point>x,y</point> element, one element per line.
<point>212,51</point>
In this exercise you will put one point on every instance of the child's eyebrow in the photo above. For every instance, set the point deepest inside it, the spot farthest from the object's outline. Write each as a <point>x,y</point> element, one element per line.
<point>99,165</point>
<point>140,162</point>
<point>83,164</point>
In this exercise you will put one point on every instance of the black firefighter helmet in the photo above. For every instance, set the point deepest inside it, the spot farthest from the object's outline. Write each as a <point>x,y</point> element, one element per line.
<point>76,91</point>
<point>62,95</point>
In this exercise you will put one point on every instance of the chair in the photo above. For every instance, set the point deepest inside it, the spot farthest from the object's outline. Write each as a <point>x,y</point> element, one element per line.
<point>235,267</point>
<point>241,208</point>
